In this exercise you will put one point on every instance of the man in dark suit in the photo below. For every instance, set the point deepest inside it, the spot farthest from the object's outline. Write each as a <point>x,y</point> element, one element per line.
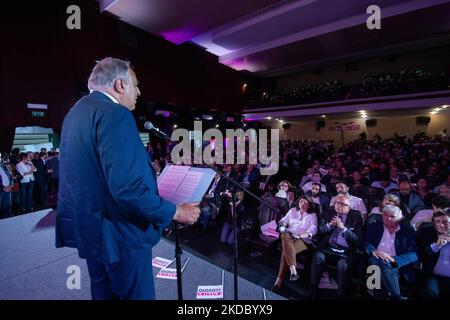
<point>410,201</point>
<point>434,244</point>
<point>209,205</point>
<point>225,188</point>
<point>319,198</point>
<point>391,246</point>
<point>108,204</point>
<point>340,234</point>
<point>40,177</point>
<point>53,169</point>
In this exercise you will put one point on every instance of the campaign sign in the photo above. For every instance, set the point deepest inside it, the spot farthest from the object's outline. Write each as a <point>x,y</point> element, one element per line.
<point>167,273</point>
<point>210,292</point>
<point>161,263</point>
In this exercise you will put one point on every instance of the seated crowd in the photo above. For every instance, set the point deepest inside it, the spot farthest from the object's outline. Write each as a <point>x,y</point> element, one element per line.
<point>383,203</point>
<point>380,203</point>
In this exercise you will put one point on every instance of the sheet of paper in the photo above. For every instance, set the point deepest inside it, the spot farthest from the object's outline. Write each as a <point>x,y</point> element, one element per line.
<point>188,186</point>
<point>170,179</point>
<point>184,184</point>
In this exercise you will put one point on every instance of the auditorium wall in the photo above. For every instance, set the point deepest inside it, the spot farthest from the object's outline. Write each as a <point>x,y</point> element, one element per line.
<point>385,127</point>
<point>43,62</point>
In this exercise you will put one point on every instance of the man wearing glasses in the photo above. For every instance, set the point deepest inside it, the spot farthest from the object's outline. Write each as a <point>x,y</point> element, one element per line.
<point>356,203</point>
<point>340,234</point>
<point>435,254</point>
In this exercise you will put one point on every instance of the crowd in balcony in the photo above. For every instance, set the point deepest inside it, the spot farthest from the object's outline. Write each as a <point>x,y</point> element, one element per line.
<point>373,85</point>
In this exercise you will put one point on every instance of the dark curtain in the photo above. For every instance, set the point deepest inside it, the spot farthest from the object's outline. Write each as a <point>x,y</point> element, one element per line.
<point>6,138</point>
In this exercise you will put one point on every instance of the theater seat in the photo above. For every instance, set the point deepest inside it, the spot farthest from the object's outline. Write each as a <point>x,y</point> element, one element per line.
<point>260,241</point>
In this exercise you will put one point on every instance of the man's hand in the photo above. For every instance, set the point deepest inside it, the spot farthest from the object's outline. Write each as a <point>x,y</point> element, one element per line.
<point>187,213</point>
<point>383,256</point>
<point>7,189</point>
<point>442,240</point>
<point>338,223</point>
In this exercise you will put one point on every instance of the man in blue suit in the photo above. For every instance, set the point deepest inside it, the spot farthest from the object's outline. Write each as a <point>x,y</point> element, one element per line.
<point>391,246</point>
<point>108,202</point>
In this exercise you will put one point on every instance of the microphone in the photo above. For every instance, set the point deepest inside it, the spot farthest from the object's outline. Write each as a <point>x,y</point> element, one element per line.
<point>149,126</point>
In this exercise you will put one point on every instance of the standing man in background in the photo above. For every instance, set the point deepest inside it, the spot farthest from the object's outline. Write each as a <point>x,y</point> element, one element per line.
<point>108,202</point>
<point>6,183</point>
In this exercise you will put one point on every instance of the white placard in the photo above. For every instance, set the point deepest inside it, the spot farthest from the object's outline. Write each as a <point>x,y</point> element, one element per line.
<point>167,273</point>
<point>210,292</point>
<point>161,263</point>
<point>171,273</point>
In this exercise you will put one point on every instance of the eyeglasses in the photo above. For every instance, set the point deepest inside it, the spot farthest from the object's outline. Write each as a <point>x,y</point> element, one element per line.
<point>342,204</point>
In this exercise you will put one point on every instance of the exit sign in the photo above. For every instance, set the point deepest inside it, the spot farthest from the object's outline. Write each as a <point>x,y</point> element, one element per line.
<point>37,114</point>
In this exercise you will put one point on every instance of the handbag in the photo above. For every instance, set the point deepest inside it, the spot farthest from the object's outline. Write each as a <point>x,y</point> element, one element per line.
<point>336,250</point>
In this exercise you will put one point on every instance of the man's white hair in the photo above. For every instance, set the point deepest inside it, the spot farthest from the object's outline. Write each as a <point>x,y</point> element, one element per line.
<point>345,198</point>
<point>395,211</point>
<point>107,71</point>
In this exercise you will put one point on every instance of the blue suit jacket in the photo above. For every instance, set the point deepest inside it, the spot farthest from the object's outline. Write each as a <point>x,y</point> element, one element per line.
<point>108,202</point>
<point>405,244</point>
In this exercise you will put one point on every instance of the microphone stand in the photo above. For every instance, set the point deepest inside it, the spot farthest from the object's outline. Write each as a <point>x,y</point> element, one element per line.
<point>179,250</point>
<point>234,213</point>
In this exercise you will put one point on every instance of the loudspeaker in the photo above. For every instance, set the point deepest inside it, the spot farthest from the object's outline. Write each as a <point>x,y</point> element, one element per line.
<point>391,58</point>
<point>422,120</point>
<point>286,126</point>
<point>354,66</point>
<point>320,124</point>
<point>371,122</point>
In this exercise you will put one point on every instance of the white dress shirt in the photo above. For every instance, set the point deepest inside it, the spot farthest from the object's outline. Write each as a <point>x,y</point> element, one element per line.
<point>387,243</point>
<point>22,168</point>
<point>110,96</point>
<point>299,224</point>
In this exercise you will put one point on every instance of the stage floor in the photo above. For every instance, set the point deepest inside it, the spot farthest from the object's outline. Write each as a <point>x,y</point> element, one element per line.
<point>32,268</point>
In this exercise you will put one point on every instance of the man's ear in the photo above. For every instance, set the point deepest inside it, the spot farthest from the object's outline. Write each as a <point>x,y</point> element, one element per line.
<point>119,86</point>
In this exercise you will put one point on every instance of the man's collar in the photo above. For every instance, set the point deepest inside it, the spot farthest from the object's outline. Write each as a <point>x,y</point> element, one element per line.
<point>398,228</point>
<point>110,96</point>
